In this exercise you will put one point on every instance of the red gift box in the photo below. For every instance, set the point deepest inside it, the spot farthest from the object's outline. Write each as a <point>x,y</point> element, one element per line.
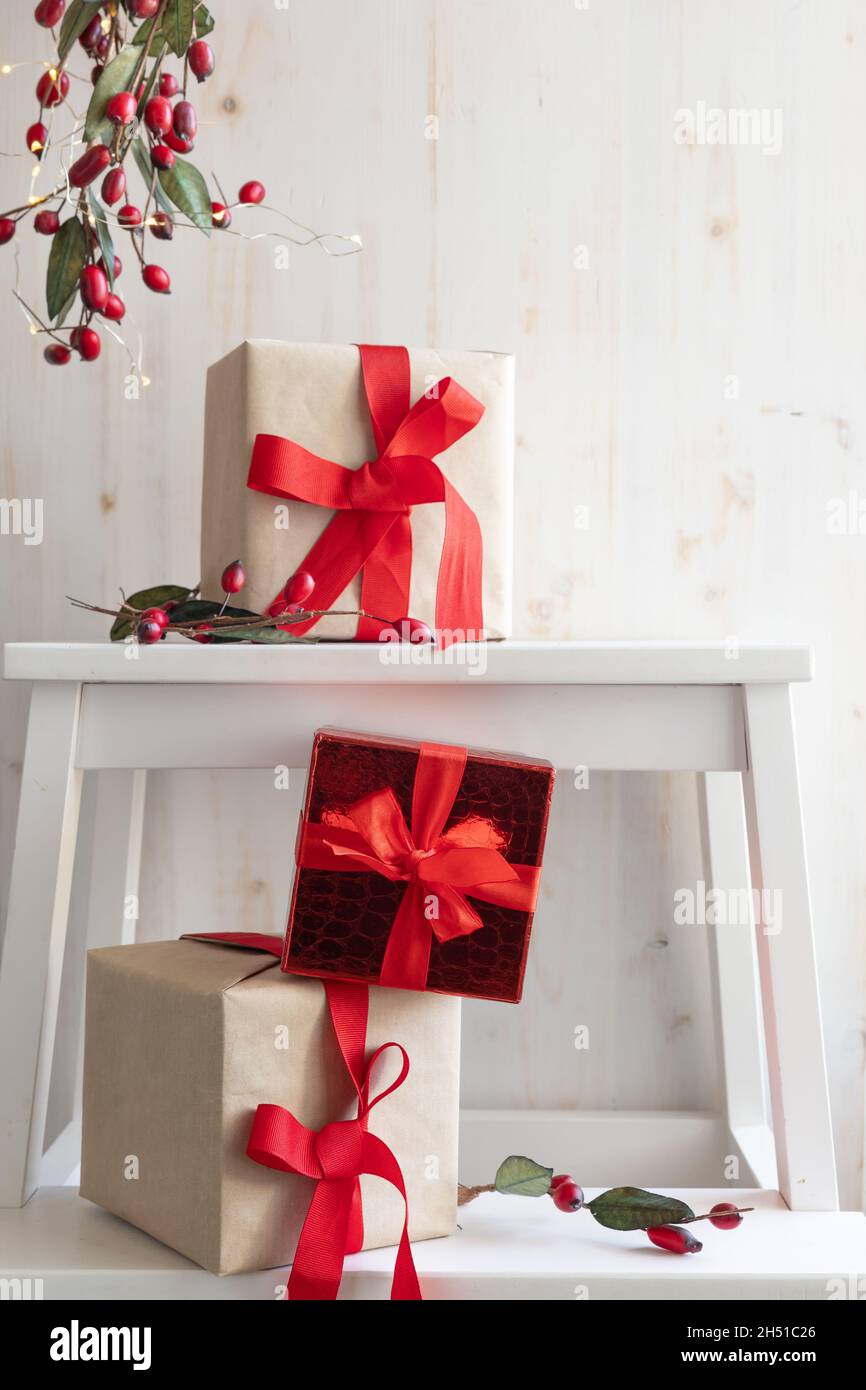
<point>418,865</point>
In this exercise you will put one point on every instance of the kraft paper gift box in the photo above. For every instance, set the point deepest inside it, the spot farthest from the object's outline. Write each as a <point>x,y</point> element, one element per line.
<point>314,395</point>
<point>184,1041</point>
<point>418,865</point>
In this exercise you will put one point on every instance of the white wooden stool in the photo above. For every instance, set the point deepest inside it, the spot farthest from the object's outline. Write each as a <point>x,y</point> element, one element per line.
<point>722,710</point>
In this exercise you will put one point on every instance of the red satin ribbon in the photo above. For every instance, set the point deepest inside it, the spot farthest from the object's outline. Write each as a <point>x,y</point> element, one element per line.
<point>337,1155</point>
<point>371,532</point>
<point>438,868</point>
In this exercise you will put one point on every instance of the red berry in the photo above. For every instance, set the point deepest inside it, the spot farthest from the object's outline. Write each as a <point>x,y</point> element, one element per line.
<point>674,1238</point>
<point>233,578</point>
<point>414,631</point>
<point>203,633</point>
<point>175,143</point>
<point>725,1217</point>
<point>57,354</point>
<point>201,61</point>
<point>162,157</point>
<point>155,615</point>
<point>113,187</point>
<point>220,216</point>
<point>157,115</point>
<point>117,268</point>
<point>149,632</point>
<point>567,1196</point>
<point>184,121</point>
<point>168,85</point>
<point>121,108</point>
<point>114,308</point>
<point>46,222</point>
<point>277,607</point>
<point>156,279</point>
<point>129,216</point>
<point>37,138</point>
<point>50,91</point>
<point>93,285</point>
<point>87,343</point>
<point>143,9</point>
<point>161,225</point>
<point>91,164</point>
<point>92,34</point>
<point>103,46</point>
<point>299,587</point>
<point>252,192</point>
<point>7,230</point>
<point>49,12</point>
<point>560,1177</point>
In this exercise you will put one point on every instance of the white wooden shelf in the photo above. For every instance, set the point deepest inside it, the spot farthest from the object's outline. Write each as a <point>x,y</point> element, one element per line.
<point>350,663</point>
<point>508,1248</point>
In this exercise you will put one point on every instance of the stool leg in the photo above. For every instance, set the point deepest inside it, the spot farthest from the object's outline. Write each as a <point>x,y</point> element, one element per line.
<point>32,960</point>
<point>786,955</point>
<point>732,944</point>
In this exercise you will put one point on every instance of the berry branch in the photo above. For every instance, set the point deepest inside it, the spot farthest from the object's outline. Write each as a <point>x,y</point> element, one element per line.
<point>664,1219</point>
<point>153,614</point>
<point>137,107</point>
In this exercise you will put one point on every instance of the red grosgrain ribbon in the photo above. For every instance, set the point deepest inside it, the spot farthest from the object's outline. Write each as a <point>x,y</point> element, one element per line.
<point>439,869</point>
<point>370,532</point>
<point>337,1155</point>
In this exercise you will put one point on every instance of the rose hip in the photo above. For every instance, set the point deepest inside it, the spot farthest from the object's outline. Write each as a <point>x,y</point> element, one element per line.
<point>299,587</point>
<point>725,1217</point>
<point>47,223</point>
<point>233,578</point>
<point>37,138</point>
<point>156,279</point>
<point>113,187</point>
<point>50,91</point>
<point>87,343</point>
<point>220,216</point>
<point>252,192</point>
<point>7,230</point>
<point>49,12</point>
<point>93,286</point>
<point>674,1238</point>
<point>184,121</point>
<point>129,216</point>
<point>57,354</point>
<point>162,157</point>
<point>121,108</point>
<point>168,85</point>
<point>567,1196</point>
<point>201,59</point>
<point>114,308</point>
<point>91,164</point>
<point>161,226</point>
<point>157,115</point>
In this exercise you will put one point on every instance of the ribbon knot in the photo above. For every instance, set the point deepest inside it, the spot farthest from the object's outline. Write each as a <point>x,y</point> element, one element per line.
<point>370,532</point>
<point>440,867</point>
<point>338,1148</point>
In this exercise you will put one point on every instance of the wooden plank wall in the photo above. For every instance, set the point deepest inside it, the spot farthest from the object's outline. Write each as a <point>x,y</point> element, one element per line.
<point>688,322</point>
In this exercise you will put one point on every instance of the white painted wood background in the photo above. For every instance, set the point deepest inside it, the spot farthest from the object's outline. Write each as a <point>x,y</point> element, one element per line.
<point>706,509</point>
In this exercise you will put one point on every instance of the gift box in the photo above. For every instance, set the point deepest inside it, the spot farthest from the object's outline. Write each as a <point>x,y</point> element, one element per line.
<point>418,865</point>
<point>199,1055</point>
<point>345,462</point>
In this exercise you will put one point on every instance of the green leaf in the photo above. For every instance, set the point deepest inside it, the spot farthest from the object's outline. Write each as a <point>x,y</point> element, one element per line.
<point>204,23</point>
<point>75,21</point>
<point>65,264</point>
<point>523,1177</point>
<point>148,598</point>
<point>633,1209</point>
<point>177,25</point>
<point>186,188</point>
<point>116,77</point>
<point>103,236</point>
<point>276,636</point>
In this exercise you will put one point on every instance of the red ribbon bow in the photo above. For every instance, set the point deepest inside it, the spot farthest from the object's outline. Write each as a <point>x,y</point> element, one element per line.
<point>438,868</point>
<point>337,1155</point>
<point>371,532</point>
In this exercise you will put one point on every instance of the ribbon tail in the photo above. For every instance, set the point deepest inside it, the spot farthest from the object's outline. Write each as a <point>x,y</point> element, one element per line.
<point>379,1160</point>
<point>407,953</point>
<point>459,610</point>
<point>318,1264</point>
<point>385,580</point>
